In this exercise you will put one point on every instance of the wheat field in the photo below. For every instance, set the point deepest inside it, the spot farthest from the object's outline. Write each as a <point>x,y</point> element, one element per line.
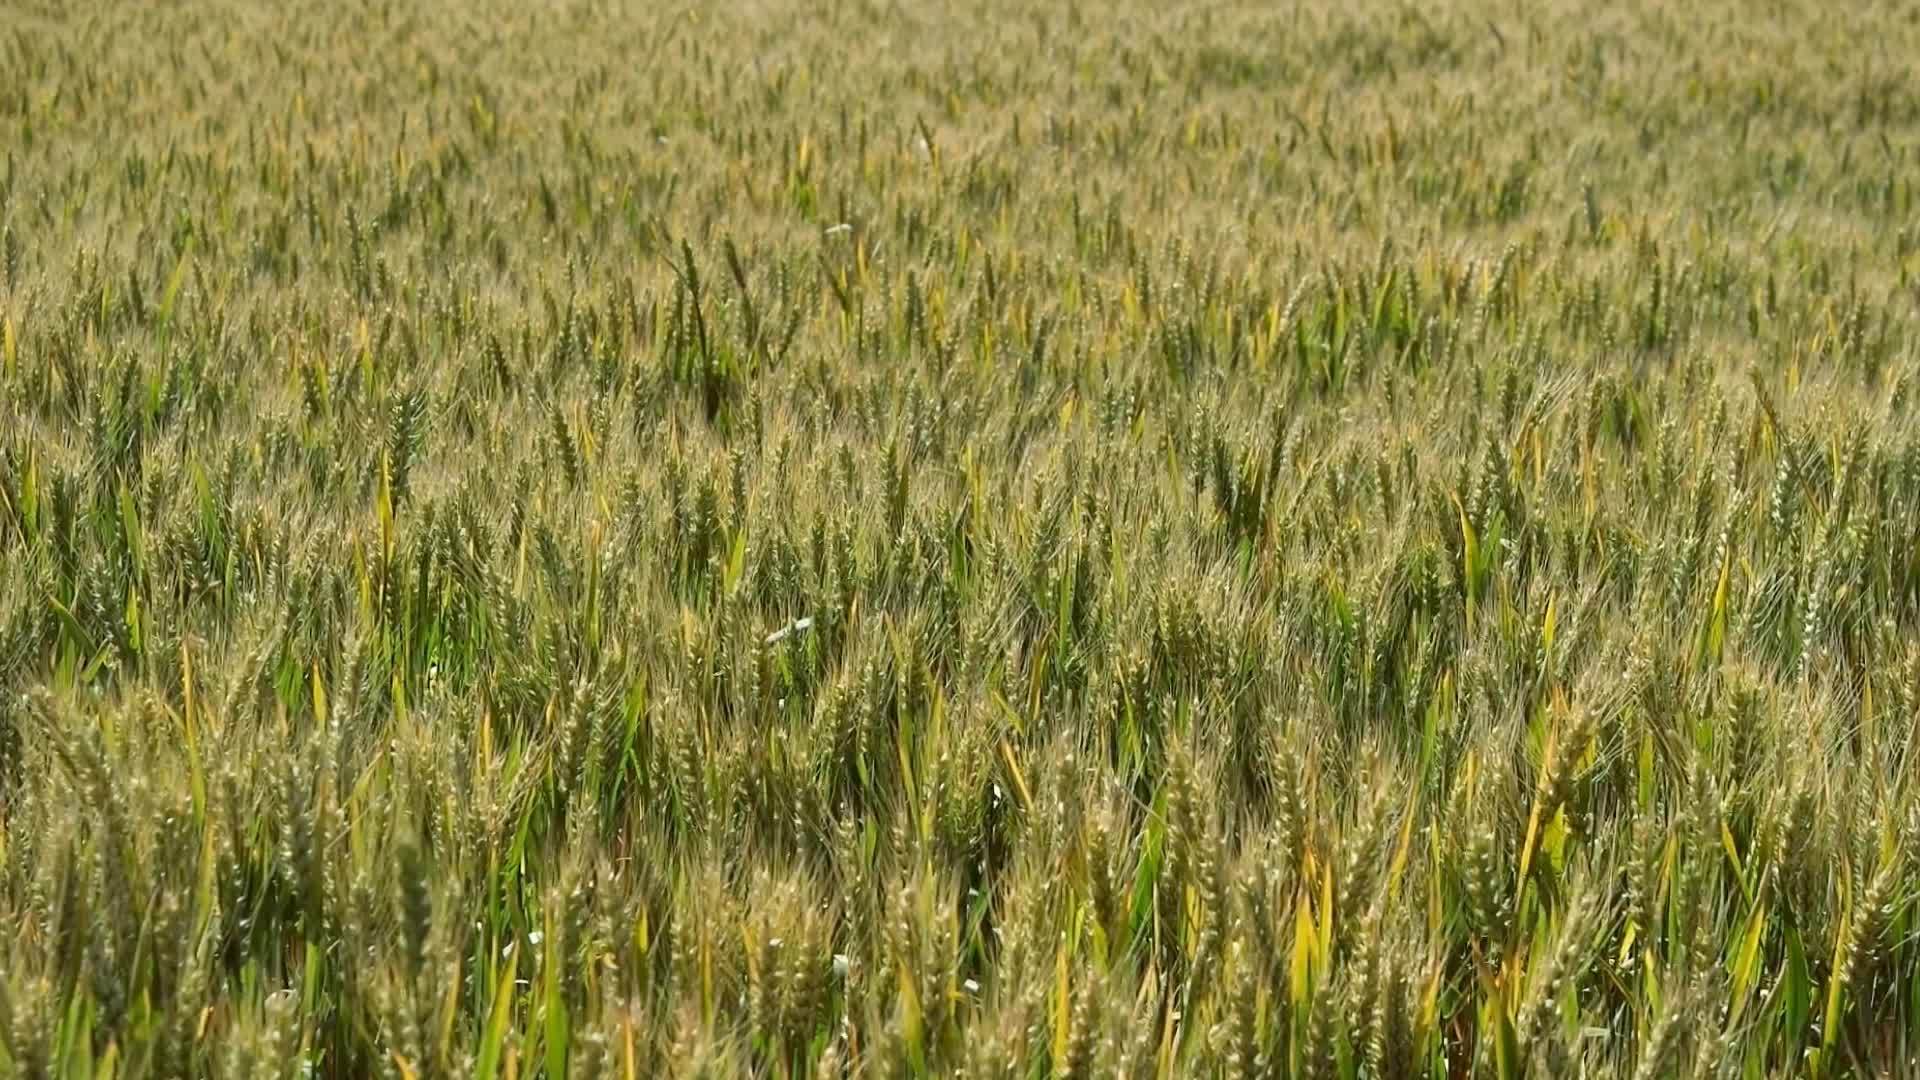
<point>878,538</point>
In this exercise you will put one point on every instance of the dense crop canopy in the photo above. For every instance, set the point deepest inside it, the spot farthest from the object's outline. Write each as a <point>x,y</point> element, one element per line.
<point>871,539</point>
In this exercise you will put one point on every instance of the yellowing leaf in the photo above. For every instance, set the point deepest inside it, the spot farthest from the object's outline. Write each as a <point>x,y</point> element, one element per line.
<point>1746,962</point>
